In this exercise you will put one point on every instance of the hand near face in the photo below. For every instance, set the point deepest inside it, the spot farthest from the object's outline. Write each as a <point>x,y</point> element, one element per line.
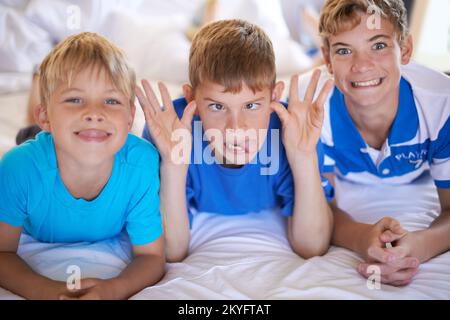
<point>303,119</point>
<point>164,125</point>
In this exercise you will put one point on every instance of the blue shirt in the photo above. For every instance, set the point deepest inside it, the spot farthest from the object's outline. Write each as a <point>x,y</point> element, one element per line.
<point>418,141</point>
<point>265,184</point>
<point>33,196</point>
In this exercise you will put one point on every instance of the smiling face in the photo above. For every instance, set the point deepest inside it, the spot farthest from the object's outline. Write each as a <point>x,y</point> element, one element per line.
<point>89,119</point>
<point>366,63</point>
<point>235,123</point>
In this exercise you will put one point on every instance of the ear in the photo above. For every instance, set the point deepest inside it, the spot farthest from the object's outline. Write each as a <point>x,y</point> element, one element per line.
<point>132,114</point>
<point>326,58</point>
<point>41,117</point>
<point>277,92</point>
<point>407,50</point>
<point>188,92</point>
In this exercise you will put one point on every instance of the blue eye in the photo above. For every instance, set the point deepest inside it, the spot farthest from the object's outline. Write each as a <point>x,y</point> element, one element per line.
<point>73,100</point>
<point>216,107</point>
<point>343,51</point>
<point>252,106</point>
<point>379,46</point>
<point>112,101</point>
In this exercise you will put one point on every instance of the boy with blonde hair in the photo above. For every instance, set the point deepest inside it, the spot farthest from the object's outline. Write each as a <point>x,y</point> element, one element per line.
<point>387,122</point>
<point>235,161</point>
<point>85,177</point>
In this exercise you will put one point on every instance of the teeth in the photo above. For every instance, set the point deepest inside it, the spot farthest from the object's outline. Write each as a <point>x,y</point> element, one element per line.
<point>234,147</point>
<point>367,83</point>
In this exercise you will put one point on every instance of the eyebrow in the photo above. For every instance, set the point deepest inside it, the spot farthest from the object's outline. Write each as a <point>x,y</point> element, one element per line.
<point>378,36</point>
<point>79,90</point>
<point>251,101</point>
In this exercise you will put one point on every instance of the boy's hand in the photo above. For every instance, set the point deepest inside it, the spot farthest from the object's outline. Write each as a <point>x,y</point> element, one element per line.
<point>397,265</point>
<point>302,120</point>
<point>164,125</point>
<point>91,289</point>
<point>371,241</point>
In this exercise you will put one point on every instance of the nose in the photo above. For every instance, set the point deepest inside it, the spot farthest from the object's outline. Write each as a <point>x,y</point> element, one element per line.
<point>94,113</point>
<point>361,63</point>
<point>235,122</point>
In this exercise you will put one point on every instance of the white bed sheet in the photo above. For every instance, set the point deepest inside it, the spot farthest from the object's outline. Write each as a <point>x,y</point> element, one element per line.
<point>248,257</point>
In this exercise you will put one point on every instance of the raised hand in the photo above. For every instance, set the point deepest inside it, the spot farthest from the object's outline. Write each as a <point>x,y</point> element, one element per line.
<point>302,121</point>
<point>166,129</point>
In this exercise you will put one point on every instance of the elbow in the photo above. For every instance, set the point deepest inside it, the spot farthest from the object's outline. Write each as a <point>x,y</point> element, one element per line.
<point>309,249</point>
<point>173,256</point>
<point>306,252</point>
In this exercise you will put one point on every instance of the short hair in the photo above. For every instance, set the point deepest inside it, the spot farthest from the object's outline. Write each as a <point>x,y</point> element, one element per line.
<point>342,15</point>
<point>77,52</point>
<point>230,53</point>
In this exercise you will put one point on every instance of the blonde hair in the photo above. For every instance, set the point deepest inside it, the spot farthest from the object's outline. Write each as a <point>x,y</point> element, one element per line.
<point>230,53</point>
<point>81,51</point>
<point>342,15</point>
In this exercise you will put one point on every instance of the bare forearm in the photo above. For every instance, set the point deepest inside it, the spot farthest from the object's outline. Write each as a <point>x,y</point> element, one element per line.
<point>17,277</point>
<point>434,240</point>
<point>174,211</point>
<point>142,272</point>
<point>312,221</point>
<point>347,232</point>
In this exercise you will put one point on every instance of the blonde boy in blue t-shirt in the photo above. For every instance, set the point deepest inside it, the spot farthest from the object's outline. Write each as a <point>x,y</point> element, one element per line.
<point>84,178</point>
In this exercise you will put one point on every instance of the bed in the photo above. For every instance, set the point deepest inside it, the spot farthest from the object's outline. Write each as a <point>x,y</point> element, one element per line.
<point>239,257</point>
<point>248,257</point>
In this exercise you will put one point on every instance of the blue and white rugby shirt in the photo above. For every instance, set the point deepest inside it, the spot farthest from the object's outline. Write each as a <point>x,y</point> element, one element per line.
<point>419,139</point>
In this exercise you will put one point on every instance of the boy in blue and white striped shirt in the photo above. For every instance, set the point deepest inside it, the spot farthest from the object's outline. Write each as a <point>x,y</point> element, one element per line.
<point>386,122</point>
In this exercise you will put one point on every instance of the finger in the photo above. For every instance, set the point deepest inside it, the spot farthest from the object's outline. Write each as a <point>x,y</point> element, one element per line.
<point>167,100</point>
<point>380,255</point>
<point>389,236</point>
<point>399,252</point>
<point>151,96</point>
<point>326,89</point>
<point>396,227</point>
<point>293,89</point>
<point>188,114</point>
<point>143,101</point>
<point>405,263</point>
<point>149,111</point>
<point>401,275</point>
<point>88,283</point>
<point>281,111</point>
<point>401,283</point>
<point>311,90</point>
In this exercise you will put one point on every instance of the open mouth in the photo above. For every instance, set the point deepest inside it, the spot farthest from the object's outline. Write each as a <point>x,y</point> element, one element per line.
<point>94,135</point>
<point>367,84</point>
<point>236,147</point>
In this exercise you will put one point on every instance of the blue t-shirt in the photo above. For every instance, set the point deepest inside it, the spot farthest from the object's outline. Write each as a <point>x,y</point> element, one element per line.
<point>266,183</point>
<point>418,141</point>
<point>33,196</point>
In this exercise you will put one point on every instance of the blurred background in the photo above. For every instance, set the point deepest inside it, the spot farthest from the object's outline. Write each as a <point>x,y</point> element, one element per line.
<point>156,36</point>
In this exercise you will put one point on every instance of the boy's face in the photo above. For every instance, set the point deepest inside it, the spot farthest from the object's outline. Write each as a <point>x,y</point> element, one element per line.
<point>366,62</point>
<point>89,120</point>
<point>241,119</point>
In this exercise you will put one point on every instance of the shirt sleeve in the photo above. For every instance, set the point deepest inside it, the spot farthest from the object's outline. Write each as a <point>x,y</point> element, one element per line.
<point>143,222</point>
<point>440,160</point>
<point>285,185</point>
<point>326,185</point>
<point>14,186</point>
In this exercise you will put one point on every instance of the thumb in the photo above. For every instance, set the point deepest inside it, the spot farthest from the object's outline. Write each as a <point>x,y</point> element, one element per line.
<point>281,111</point>
<point>389,236</point>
